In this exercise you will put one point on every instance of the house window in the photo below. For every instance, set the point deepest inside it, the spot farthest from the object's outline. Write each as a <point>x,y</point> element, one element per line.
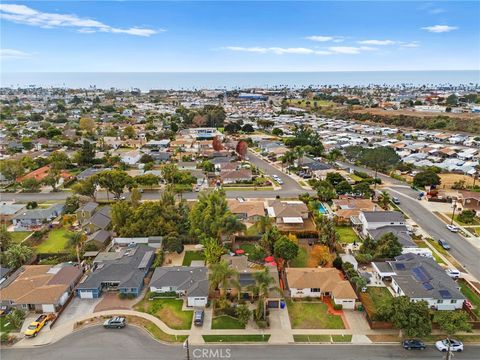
<point>315,290</point>
<point>439,301</point>
<point>453,301</point>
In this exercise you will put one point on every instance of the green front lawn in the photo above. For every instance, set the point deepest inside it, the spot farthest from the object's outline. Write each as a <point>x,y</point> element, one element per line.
<point>167,310</point>
<point>474,222</point>
<point>226,322</point>
<point>312,315</point>
<point>302,258</point>
<point>56,241</point>
<point>422,244</point>
<point>312,338</point>
<point>375,297</point>
<point>19,236</point>
<point>191,256</point>
<point>347,235</point>
<point>236,338</point>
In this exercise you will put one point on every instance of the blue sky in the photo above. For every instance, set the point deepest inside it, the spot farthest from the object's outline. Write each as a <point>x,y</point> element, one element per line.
<point>239,36</point>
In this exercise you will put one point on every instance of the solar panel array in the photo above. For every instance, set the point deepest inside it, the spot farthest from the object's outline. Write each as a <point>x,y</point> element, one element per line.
<point>427,286</point>
<point>421,274</point>
<point>445,294</point>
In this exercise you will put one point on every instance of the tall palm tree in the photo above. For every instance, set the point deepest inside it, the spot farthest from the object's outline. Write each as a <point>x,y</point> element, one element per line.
<point>384,200</point>
<point>222,276</point>
<point>77,239</point>
<point>263,224</point>
<point>263,284</point>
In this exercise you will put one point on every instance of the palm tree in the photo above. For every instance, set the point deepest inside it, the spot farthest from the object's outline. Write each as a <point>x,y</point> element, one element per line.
<point>384,200</point>
<point>263,224</point>
<point>263,283</point>
<point>77,239</point>
<point>477,173</point>
<point>222,276</point>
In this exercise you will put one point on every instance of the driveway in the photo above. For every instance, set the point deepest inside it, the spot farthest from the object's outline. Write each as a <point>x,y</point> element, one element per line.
<point>280,327</point>
<point>77,308</point>
<point>111,301</point>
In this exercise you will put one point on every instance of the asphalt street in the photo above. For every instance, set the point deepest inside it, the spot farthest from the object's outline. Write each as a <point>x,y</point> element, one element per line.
<point>133,343</point>
<point>465,253</point>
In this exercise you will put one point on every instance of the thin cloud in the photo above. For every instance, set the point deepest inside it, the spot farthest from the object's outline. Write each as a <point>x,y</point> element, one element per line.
<point>350,50</point>
<point>6,54</point>
<point>413,44</point>
<point>333,50</point>
<point>439,28</point>
<point>323,38</point>
<point>377,42</point>
<point>22,14</point>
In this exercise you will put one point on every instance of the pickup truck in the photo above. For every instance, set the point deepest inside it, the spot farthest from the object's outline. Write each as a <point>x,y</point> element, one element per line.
<point>35,327</point>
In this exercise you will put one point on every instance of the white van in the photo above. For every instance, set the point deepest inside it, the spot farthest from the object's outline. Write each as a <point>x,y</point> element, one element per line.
<point>453,273</point>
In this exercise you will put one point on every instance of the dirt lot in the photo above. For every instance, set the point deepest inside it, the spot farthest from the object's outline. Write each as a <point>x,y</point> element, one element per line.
<point>449,179</point>
<point>378,111</point>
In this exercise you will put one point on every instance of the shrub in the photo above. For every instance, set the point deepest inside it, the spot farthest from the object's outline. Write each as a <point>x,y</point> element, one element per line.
<point>158,259</point>
<point>467,216</point>
<point>337,306</point>
<point>262,324</point>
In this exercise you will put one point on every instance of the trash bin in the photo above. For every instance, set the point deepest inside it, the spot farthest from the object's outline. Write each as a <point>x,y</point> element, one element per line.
<point>360,307</point>
<point>282,304</point>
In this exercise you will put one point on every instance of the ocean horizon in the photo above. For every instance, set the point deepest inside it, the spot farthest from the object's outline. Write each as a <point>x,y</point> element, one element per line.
<point>146,81</point>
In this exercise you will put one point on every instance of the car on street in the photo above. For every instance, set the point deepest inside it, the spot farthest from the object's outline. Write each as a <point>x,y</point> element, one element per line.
<point>116,322</point>
<point>396,200</point>
<point>413,344</point>
<point>452,344</point>
<point>198,317</point>
<point>443,244</point>
<point>452,228</point>
<point>453,273</point>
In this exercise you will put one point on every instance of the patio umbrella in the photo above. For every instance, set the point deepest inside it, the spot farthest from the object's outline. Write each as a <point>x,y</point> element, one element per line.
<point>269,259</point>
<point>272,263</point>
<point>239,251</point>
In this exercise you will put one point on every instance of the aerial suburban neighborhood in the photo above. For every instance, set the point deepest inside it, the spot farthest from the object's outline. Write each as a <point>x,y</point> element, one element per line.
<point>239,180</point>
<point>271,216</point>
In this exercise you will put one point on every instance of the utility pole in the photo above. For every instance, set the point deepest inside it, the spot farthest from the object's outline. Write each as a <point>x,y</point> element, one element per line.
<point>453,213</point>
<point>186,346</point>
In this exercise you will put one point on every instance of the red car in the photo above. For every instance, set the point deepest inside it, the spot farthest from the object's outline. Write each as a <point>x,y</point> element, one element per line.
<point>468,304</point>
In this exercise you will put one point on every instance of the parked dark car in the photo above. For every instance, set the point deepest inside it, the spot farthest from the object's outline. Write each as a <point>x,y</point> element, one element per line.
<point>115,323</point>
<point>443,244</point>
<point>198,317</point>
<point>414,344</point>
<point>396,200</point>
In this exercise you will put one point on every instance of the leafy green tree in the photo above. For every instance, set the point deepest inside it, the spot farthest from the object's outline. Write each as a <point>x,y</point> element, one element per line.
<point>72,203</point>
<point>16,318</point>
<point>363,189</point>
<point>173,243</point>
<point>211,218</point>
<point>31,185</point>
<point>325,190</point>
<point>243,314</point>
<point>5,238</point>
<point>115,181</point>
<point>380,158</point>
<point>129,132</point>
<point>135,197</point>
<point>343,187</point>
<point>426,178</point>
<point>412,317</point>
<point>263,284</point>
<point>467,216</point>
<point>222,276</point>
<point>147,180</point>
<point>277,132</point>
<point>11,169</point>
<point>452,322</point>
<point>86,156</point>
<point>334,178</point>
<point>87,187</point>
<point>326,231</point>
<point>263,224</point>
<point>269,238</point>
<point>17,255</point>
<point>212,250</point>
<point>285,249</point>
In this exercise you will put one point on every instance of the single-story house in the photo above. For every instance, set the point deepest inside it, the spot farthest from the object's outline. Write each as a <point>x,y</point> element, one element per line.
<point>8,210</point>
<point>421,278</point>
<point>28,219</point>
<point>375,224</point>
<point>235,176</point>
<point>470,200</point>
<point>85,174</point>
<point>347,207</point>
<point>40,288</point>
<point>152,241</point>
<point>320,282</point>
<point>100,220</point>
<point>247,210</point>
<point>187,281</point>
<point>123,271</point>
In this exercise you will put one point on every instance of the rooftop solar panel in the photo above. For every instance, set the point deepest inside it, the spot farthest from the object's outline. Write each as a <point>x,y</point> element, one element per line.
<point>445,294</point>
<point>427,286</point>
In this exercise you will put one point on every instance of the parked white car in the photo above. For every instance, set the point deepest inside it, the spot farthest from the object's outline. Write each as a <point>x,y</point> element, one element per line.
<point>452,228</point>
<point>455,345</point>
<point>453,273</point>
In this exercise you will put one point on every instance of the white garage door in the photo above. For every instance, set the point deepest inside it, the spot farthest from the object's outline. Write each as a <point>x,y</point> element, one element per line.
<point>197,301</point>
<point>48,308</point>
<point>86,295</point>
